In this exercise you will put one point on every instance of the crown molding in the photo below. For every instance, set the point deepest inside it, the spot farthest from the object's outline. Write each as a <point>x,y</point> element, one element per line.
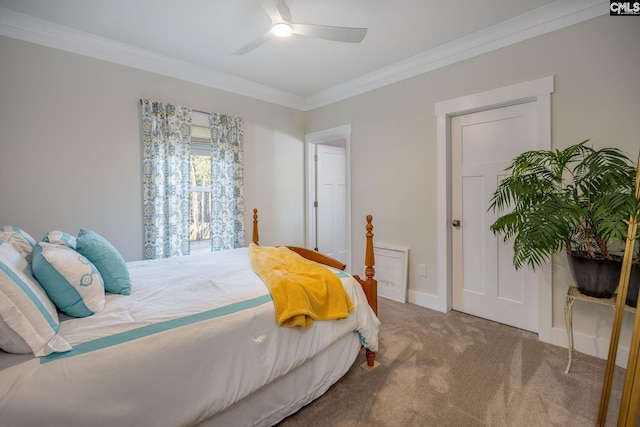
<point>554,16</point>
<point>35,30</point>
<point>551,17</point>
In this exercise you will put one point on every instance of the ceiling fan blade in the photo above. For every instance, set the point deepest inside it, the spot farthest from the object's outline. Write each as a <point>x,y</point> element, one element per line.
<point>285,13</point>
<point>339,34</point>
<point>272,10</point>
<point>254,44</point>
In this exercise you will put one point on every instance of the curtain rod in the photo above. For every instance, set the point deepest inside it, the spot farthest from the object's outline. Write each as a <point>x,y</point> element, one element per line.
<point>197,111</point>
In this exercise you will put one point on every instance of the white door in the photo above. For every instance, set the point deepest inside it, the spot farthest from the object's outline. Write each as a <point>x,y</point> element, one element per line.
<point>485,283</point>
<point>331,197</point>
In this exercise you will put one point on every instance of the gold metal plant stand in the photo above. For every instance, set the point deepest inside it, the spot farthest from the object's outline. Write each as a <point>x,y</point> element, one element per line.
<point>628,414</point>
<point>573,295</point>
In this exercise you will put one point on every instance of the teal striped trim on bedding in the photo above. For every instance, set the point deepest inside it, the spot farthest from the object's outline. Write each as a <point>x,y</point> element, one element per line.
<point>341,274</point>
<point>28,291</point>
<point>144,331</point>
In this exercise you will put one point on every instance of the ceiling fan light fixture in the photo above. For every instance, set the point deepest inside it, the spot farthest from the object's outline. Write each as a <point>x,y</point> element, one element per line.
<point>282,29</point>
<point>283,26</point>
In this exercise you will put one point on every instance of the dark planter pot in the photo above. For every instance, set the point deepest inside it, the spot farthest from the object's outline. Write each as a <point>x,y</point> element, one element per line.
<point>600,278</point>
<point>595,277</point>
<point>634,286</point>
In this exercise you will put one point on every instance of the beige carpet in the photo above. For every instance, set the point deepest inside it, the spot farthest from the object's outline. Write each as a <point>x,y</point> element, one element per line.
<point>458,370</point>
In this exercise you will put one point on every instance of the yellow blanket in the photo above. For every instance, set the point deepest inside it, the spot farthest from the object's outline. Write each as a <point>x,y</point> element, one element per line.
<point>302,290</point>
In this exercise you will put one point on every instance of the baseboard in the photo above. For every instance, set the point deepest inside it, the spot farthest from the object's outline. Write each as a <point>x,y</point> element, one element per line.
<point>590,345</point>
<point>426,300</point>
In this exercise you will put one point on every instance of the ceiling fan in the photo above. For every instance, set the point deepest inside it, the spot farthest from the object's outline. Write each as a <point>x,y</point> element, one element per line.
<point>282,26</point>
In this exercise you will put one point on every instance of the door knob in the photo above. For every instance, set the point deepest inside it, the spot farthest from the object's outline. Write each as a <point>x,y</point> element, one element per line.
<point>456,223</point>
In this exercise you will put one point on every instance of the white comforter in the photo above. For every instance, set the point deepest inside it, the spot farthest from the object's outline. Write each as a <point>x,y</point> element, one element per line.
<point>196,334</point>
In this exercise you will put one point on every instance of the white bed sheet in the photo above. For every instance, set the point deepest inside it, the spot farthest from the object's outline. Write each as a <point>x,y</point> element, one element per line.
<point>196,335</point>
<point>287,394</point>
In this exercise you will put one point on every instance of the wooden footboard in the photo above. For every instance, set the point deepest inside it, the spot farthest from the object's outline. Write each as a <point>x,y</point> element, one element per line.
<point>318,257</point>
<point>369,284</point>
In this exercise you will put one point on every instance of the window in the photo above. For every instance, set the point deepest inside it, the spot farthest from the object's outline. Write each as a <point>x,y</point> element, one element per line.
<point>200,197</point>
<point>192,180</point>
<point>200,184</point>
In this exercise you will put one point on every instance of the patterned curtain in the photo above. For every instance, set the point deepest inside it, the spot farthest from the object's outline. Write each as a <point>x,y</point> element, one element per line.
<point>166,137</point>
<point>227,216</point>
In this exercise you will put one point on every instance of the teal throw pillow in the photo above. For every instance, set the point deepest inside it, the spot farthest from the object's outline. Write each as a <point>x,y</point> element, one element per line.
<point>107,260</point>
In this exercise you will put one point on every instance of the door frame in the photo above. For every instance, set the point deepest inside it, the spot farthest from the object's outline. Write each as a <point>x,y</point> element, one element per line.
<point>538,91</point>
<point>323,137</point>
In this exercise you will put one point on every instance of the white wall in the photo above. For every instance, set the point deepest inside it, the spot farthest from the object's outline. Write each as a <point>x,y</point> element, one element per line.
<point>596,65</point>
<point>70,150</point>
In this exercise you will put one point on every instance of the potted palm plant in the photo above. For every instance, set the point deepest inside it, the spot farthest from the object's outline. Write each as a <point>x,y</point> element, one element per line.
<point>578,199</point>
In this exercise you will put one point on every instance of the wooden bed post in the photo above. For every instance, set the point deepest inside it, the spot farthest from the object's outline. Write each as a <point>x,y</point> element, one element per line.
<point>370,286</point>
<point>254,238</point>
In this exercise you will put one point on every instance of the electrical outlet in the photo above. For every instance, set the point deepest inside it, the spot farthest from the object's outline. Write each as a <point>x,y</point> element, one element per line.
<point>422,270</point>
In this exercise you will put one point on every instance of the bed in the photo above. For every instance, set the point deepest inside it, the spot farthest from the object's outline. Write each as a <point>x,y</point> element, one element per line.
<point>195,342</point>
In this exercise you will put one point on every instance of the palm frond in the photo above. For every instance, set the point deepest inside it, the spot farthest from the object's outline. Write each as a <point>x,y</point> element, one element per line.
<point>578,199</point>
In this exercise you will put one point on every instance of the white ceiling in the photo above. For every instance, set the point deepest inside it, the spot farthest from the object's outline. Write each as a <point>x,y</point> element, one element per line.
<point>194,39</point>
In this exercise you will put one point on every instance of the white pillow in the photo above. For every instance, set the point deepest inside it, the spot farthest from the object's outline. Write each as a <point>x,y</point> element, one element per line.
<point>58,237</point>
<point>19,239</point>
<point>72,282</point>
<point>28,319</point>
